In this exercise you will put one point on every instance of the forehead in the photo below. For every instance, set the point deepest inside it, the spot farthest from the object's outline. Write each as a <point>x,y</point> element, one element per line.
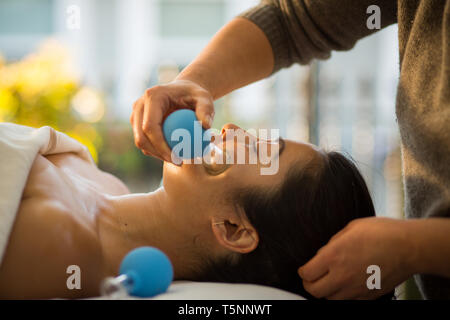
<point>301,152</point>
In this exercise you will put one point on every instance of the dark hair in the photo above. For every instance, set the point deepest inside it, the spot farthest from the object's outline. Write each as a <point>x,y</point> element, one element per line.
<point>294,221</point>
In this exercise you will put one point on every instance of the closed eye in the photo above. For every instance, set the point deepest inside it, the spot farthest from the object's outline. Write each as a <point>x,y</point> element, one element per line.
<point>280,141</point>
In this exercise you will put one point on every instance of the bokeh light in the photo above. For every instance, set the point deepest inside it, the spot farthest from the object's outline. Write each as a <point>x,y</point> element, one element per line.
<point>89,104</point>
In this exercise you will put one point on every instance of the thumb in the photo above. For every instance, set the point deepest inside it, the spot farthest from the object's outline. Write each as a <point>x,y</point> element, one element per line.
<point>205,112</point>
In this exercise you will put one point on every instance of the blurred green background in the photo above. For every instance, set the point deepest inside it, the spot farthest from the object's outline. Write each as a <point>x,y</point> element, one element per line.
<point>44,88</point>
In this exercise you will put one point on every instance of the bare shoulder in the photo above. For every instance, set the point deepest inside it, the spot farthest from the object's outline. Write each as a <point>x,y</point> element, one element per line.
<point>44,242</point>
<point>103,181</point>
<point>55,228</point>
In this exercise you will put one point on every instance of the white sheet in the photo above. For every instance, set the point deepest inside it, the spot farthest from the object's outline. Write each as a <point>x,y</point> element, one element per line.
<point>190,290</point>
<point>19,146</point>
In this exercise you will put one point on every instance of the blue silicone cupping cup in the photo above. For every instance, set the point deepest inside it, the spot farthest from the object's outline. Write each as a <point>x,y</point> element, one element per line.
<point>193,130</point>
<point>150,270</point>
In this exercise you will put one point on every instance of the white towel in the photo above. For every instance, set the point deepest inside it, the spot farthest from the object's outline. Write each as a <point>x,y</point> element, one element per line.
<point>19,146</point>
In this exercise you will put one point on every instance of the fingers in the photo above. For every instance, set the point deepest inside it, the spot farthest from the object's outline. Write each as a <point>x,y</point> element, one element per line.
<point>204,111</point>
<point>140,138</point>
<point>324,287</point>
<point>151,109</point>
<point>318,266</point>
<point>152,126</point>
<point>315,268</point>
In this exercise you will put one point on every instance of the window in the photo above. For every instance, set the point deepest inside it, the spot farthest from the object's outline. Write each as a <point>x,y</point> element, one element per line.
<point>193,18</point>
<point>26,17</point>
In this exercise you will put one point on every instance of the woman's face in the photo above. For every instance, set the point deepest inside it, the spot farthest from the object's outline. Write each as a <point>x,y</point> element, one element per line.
<point>246,161</point>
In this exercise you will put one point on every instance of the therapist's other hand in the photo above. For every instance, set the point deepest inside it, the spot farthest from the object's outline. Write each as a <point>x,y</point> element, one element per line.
<point>339,269</point>
<point>150,110</point>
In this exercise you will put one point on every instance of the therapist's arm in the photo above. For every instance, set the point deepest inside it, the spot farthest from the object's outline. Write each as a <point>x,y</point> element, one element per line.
<point>237,55</point>
<point>431,240</point>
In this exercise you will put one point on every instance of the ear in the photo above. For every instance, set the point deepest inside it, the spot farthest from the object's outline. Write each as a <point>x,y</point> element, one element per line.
<point>235,235</point>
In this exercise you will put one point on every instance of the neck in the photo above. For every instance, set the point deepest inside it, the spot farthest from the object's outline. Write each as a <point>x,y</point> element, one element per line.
<point>145,219</point>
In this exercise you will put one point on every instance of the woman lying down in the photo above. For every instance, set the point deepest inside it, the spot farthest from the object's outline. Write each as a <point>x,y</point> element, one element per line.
<point>216,222</point>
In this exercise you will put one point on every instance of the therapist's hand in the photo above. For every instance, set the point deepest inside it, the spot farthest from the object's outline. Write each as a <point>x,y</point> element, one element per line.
<point>339,269</point>
<point>150,110</point>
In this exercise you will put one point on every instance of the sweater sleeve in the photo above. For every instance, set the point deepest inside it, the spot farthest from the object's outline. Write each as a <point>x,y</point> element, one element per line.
<point>301,30</point>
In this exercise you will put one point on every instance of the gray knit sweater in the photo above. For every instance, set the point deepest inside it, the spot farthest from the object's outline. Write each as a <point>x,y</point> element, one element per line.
<point>302,30</point>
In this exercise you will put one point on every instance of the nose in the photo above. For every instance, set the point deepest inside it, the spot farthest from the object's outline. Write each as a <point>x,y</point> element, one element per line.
<point>229,126</point>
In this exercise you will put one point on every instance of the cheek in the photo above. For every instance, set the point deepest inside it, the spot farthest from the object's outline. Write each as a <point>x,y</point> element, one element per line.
<point>191,185</point>
<point>240,175</point>
<point>251,175</point>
